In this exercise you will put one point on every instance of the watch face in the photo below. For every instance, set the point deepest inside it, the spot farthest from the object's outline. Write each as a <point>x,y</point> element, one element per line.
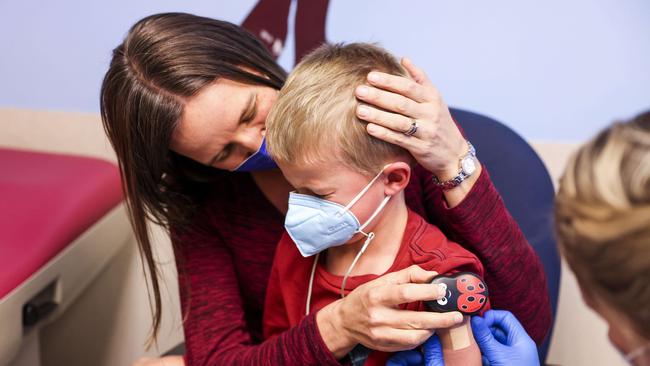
<point>468,165</point>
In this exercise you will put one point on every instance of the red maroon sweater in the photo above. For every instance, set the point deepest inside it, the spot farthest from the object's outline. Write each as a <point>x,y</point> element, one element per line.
<point>422,244</point>
<point>225,266</point>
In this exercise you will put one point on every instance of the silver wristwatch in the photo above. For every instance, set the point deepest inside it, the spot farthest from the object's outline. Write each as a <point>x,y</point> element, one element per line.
<point>467,166</point>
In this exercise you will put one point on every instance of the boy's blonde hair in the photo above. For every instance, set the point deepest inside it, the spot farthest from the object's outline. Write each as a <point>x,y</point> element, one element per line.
<point>603,218</point>
<point>314,118</point>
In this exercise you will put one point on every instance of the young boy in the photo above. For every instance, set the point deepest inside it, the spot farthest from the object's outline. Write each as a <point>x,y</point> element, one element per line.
<point>347,221</point>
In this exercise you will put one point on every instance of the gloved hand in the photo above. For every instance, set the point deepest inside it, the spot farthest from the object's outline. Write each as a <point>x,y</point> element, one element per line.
<point>432,355</point>
<point>433,352</point>
<point>406,358</point>
<point>503,341</point>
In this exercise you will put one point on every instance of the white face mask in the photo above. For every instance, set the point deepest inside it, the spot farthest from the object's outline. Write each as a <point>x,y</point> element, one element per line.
<point>315,224</point>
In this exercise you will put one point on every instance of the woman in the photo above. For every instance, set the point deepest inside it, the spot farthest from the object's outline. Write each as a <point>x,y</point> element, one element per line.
<point>603,225</point>
<point>184,104</point>
<point>602,214</point>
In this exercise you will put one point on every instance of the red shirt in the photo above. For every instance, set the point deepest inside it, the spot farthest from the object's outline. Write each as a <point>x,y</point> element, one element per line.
<point>224,264</point>
<point>422,244</point>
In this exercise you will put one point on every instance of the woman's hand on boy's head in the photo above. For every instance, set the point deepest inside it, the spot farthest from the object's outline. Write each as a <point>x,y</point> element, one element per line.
<point>370,315</point>
<point>393,103</point>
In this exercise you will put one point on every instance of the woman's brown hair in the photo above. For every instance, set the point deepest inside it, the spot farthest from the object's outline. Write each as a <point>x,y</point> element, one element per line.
<point>165,59</point>
<point>603,219</point>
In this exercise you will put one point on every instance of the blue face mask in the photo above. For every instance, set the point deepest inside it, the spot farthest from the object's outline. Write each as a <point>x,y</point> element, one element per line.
<point>316,224</point>
<point>637,353</point>
<point>258,161</point>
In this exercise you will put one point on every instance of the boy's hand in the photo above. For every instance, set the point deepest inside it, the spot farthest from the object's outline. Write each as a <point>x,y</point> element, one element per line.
<point>370,315</point>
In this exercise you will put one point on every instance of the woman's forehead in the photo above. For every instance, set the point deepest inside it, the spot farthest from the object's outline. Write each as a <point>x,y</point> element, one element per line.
<point>222,100</point>
<point>210,117</point>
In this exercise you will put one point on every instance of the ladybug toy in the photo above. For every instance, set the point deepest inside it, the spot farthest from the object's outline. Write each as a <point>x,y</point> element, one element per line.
<point>466,293</point>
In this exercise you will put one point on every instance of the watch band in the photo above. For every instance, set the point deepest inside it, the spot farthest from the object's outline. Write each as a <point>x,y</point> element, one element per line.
<point>462,175</point>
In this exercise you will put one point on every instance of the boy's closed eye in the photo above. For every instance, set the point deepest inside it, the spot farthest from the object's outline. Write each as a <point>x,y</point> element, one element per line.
<point>309,192</point>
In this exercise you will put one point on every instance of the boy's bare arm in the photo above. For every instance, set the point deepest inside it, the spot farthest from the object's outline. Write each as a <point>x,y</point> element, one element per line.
<point>459,346</point>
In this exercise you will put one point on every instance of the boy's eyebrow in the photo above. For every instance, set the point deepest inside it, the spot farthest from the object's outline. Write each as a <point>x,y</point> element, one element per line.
<point>243,116</point>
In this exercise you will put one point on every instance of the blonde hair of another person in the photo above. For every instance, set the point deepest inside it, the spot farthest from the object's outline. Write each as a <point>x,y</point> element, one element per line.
<point>314,116</point>
<point>603,226</point>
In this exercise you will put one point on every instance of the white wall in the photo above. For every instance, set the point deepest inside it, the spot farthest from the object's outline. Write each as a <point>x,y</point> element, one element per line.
<point>553,70</point>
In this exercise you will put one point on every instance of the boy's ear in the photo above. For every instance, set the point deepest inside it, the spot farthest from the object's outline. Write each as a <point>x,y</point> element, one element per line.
<point>397,176</point>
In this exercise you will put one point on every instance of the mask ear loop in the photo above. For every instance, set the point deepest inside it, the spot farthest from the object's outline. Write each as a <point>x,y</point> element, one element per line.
<point>358,197</point>
<point>311,283</point>
<point>369,238</point>
<point>374,214</point>
<point>354,262</point>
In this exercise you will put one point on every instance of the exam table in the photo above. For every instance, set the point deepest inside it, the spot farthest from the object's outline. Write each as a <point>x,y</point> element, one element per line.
<point>61,221</point>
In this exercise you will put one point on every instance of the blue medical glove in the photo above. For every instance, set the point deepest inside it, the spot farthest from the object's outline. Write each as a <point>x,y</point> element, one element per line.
<point>503,341</point>
<point>433,352</point>
<point>406,358</point>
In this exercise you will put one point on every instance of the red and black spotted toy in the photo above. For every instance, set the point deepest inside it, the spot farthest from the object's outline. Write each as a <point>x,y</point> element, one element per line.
<point>466,292</point>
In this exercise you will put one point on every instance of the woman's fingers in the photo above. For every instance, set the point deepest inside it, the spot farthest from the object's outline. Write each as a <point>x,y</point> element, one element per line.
<point>390,101</point>
<point>412,274</point>
<point>400,85</point>
<point>394,121</point>
<point>388,339</point>
<point>393,295</point>
<point>391,127</point>
<point>369,314</point>
<point>416,73</point>
<point>421,320</point>
<point>410,143</point>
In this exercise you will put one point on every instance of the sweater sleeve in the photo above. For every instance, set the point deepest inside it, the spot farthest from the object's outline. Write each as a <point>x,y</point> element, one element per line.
<point>214,324</point>
<point>513,271</point>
